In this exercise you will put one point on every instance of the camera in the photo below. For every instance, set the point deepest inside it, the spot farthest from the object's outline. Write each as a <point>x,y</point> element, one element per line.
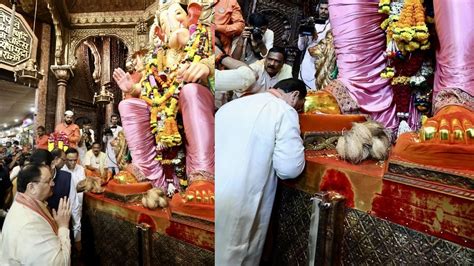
<point>307,26</point>
<point>108,131</point>
<point>257,33</point>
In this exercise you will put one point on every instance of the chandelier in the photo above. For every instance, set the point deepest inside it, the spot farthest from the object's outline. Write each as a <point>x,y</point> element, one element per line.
<point>105,96</point>
<point>28,74</point>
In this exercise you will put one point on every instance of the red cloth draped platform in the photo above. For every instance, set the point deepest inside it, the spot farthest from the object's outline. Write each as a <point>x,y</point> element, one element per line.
<point>124,233</point>
<point>433,200</point>
<point>195,230</point>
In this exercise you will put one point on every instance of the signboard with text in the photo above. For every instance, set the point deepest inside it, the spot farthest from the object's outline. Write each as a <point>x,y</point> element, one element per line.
<point>21,45</point>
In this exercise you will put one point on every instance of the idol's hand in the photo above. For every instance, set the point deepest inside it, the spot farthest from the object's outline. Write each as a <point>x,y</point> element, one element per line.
<point>193,72</point>
<point>124,81</point>
<point>451,125</point>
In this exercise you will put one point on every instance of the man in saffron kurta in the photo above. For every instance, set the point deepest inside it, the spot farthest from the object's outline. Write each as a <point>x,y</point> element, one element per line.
<point>41,141</point>
<point>70,129</point>
<point>257,141</point>
<point>229,22</point>
<point>31,235</point>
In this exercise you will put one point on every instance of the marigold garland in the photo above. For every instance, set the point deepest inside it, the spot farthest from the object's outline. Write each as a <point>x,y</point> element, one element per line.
<point>410,31</point>
<point>406,31</point>
<point>160,90</point>
<point>58,140</point>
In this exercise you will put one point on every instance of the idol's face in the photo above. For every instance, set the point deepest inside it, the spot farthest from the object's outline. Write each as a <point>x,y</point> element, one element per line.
<point>173,18</point>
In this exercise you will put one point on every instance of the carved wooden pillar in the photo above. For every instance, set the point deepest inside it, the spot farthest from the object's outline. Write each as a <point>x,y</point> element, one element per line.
<point>105,78</point>
<point>62,74</point>
<point>40,97</point>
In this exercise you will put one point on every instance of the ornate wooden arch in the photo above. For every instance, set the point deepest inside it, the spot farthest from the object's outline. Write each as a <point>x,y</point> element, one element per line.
<point>77,36</point>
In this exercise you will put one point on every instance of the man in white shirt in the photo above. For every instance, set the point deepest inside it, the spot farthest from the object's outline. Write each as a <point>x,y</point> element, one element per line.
<point>270,70</point>
<point>255,40</point>
<point>307,68</point>
<point>257,140</point>
<point>77,175</point>
<point>30,234</point>
<point>111,157</point>
<point>87,138</point>
<point>64,185</point>
<point>114,127</point>
<point>95,162</point>
<point>114,130</point>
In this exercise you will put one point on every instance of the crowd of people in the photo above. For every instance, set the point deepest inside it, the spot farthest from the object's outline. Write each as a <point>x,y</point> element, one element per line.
<point>39,191</point>
<point>259,110</point>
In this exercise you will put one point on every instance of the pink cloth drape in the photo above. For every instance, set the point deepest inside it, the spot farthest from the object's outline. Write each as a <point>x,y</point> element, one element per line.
<point>197,107</point>
<point>135,116</point>
<point>360,43</point>
<point>454,20</point>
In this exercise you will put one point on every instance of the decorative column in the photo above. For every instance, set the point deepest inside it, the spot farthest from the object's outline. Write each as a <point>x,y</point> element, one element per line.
<point>105,78</point>
<point>40,97</point>
<point>62,74</point>
<point>142,35</point>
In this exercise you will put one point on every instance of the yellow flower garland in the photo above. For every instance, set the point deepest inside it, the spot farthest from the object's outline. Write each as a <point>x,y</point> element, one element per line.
<point>160,91</point>
<point>410,31</point>
<point>403,80</point>
<point>405,33</point>
<point>384,6</point>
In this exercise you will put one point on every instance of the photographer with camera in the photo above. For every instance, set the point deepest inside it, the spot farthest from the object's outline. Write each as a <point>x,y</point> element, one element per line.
<point>255,41</point>
<point>312,31</point>
<point>87,138</point>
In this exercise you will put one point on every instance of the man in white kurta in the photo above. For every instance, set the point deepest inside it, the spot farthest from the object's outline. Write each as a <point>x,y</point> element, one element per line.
<point>266,79</point>
<point>77,175</point>
<point>257,140</point>
<point>31,235</point>
<point>28,238</point>
<point>96,160</point>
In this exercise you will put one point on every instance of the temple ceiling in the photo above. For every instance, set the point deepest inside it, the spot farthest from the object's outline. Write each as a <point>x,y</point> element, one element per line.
<point>87,6</point>
<point>71,10</point>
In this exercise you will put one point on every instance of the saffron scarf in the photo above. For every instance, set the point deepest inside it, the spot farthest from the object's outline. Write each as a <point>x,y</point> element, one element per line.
<point>37,207</point>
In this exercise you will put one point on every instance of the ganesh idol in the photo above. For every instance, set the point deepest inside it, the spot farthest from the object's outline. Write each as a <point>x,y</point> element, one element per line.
<point>168,111</point>
<point>446,138</point>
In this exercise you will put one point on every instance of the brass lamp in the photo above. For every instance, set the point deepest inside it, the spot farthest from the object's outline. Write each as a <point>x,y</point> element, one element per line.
<point>28,74</point>
<point>104,97</point>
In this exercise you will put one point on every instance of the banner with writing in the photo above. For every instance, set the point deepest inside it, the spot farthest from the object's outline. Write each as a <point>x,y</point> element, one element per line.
<point>18,47</point>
